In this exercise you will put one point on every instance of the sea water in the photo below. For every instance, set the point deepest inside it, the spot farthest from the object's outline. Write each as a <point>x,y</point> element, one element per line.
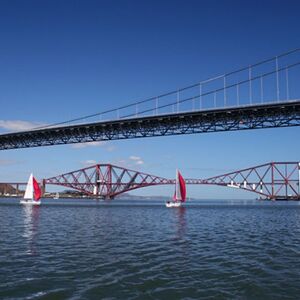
<point>122,249</point>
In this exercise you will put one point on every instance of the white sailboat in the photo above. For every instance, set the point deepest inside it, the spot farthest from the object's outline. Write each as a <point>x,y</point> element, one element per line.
<point>56,197</point>
<point>33,192</point>
<point>180,192</point>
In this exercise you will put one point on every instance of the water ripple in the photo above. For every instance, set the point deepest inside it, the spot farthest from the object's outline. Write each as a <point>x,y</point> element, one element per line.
<point>112,251</point>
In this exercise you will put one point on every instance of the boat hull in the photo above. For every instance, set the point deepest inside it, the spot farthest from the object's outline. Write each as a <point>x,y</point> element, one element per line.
<point>170,204</point>
<point>30,202</point>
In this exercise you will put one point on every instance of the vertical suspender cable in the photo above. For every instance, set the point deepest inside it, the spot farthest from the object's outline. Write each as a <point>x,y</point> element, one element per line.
<point>225,100</point>
<point>261,89</point>
<point>287,84</point>
<point>200,91</point>
<point>250,84</point>
<point>277,78</point>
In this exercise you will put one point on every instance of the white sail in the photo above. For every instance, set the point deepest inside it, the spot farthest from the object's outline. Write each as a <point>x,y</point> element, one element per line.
<point>29,188</point>
<point>177,188</point>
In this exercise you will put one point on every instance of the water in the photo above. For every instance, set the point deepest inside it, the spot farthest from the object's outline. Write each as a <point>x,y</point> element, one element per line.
<point>80,249</point>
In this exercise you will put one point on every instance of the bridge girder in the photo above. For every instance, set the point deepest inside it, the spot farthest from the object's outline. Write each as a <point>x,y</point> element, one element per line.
<point>285,114</point>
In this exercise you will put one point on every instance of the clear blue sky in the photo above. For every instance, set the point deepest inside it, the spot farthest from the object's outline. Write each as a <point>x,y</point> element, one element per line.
<point>64,59</point>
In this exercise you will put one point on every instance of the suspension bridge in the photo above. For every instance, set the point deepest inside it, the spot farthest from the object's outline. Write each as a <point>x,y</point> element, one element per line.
<point>274,180</point>
<point>263,95</point>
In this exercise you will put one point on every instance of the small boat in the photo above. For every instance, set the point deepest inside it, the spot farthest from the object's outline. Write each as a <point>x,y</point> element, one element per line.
<point>180,192</point>
<point>173,204</point>
<point>56,197</point>
<point>33,192</point>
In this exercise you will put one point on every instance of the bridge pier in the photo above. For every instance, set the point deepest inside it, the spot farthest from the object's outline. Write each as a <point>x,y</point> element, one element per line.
<point>43,187</point>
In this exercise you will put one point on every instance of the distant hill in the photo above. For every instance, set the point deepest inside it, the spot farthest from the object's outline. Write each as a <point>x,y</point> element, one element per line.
<point>7,189</point>
<point>128,196</point>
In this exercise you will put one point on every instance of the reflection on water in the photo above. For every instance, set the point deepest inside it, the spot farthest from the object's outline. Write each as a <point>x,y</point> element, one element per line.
<point>181,222</point>
<point>31,220</point>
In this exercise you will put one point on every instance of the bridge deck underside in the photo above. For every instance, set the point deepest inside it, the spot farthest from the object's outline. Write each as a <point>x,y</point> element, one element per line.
<point>250,117</point>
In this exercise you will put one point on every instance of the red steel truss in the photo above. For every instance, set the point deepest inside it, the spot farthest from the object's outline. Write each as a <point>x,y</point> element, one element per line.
<point>105,180</point>
<point>275,180</point>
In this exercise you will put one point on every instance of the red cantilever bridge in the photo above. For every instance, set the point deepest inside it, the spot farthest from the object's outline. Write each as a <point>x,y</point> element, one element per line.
<point>274,180</point>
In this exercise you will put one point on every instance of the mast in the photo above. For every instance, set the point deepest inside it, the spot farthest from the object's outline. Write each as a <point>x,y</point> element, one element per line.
<point>177,187</point>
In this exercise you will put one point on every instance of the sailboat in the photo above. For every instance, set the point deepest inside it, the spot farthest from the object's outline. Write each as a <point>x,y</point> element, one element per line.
<point>33,192</point>
<point>56,197</point>
<point>180,192</point>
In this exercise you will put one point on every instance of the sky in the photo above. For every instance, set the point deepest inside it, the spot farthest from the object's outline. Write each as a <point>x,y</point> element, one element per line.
<point>65,59</point>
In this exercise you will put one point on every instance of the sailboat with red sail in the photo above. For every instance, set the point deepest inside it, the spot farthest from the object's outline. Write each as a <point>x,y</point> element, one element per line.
<point>33,192</point>
<point>180,192</point>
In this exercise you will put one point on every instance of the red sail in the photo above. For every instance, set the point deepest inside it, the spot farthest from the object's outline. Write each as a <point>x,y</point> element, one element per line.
<point>37,190</point>
<point>182,187</point>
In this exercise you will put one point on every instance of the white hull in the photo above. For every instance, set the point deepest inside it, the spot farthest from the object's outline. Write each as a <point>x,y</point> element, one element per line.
<point>173,204</point>
<point>30,202</point>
